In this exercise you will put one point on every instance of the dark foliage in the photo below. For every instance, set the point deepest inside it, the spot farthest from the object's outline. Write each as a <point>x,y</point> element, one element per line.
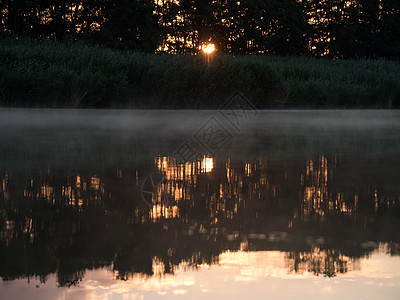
<point>70,74</point>
<point>332,28</point>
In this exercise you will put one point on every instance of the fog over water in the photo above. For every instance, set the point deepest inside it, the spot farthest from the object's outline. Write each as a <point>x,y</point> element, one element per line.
<point>378,130</point>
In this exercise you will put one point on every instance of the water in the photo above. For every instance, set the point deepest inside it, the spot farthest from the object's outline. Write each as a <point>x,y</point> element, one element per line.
<point>286,204</point>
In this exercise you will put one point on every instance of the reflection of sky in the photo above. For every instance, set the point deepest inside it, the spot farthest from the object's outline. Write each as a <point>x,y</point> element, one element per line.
<point>255,275</point>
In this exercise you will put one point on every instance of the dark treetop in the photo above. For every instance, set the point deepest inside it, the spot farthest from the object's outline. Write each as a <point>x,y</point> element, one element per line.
<point>336,29</point>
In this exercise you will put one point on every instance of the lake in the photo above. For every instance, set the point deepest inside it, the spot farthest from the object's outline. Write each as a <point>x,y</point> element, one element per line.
<point>120,204</point>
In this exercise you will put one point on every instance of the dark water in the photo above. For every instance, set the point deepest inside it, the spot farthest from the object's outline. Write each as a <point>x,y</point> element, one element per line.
<point>149,204</point>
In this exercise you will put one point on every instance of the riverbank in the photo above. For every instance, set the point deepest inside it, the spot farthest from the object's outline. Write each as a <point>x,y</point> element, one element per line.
<point>52,74</point>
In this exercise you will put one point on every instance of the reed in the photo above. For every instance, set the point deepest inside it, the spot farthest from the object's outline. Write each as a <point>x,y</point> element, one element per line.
<point>72,74</point>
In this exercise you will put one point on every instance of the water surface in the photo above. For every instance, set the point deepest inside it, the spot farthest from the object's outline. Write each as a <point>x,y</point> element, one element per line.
<point>113,205</point>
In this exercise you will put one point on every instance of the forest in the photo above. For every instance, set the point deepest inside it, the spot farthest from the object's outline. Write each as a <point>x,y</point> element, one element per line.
<point>148,54</point>
<point>329,28</point>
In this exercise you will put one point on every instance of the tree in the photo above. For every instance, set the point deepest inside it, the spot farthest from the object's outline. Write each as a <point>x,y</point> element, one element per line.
<point>330,28</point>
<point>129,24</point>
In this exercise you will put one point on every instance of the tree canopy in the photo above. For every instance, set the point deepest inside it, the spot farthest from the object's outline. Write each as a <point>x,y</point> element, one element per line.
<point>331,28</point>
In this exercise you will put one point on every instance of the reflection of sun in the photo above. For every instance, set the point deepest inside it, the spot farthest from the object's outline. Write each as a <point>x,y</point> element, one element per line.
<point>208,49</point>
<point>207,164</point>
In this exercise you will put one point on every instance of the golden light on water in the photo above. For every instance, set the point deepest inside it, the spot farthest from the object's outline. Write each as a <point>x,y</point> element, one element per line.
<point>242,271</point>
<point>208,49</point>
<point>207,164</point>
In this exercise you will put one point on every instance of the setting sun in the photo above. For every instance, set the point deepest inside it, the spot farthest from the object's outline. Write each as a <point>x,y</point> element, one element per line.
<point>208,49</point>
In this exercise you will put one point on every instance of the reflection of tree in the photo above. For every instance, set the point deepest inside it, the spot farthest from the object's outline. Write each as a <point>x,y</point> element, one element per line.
<point>318,201</point>
<point>327,262</point>
<point>68,222</point>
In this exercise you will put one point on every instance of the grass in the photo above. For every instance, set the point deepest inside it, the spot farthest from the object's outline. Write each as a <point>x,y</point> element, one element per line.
<point>53,74</point>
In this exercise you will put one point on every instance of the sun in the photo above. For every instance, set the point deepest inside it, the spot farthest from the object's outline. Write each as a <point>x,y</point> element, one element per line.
<point>208,49</point>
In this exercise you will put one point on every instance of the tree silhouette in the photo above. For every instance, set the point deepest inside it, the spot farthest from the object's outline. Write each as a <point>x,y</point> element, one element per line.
<point>335,29</point>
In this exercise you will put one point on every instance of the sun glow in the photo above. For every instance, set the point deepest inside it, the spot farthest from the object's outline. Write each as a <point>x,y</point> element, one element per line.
<point>207,164</point>
<point>208,49</point>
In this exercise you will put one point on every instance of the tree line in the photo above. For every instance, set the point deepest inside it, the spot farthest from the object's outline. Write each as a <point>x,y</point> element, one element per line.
<point>331,28</point>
